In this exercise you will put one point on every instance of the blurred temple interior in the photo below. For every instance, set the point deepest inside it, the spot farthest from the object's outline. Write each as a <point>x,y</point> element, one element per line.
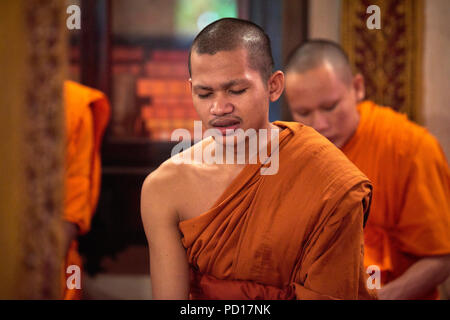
<point>135,53</point>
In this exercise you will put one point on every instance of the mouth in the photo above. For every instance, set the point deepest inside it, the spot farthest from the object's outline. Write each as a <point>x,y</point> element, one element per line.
<point>226,126</point>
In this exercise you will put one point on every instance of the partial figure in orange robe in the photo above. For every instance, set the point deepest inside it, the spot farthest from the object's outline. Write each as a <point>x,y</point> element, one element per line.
<point>87,113</point>
<point>229,231</point>
<point>408,234</point>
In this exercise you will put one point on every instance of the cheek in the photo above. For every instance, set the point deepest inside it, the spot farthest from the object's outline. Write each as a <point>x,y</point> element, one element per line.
<point>202,107</point>
<point>247,100</point>
<point>340,120</point>
<point>250,103</point>
<point>304,120</point>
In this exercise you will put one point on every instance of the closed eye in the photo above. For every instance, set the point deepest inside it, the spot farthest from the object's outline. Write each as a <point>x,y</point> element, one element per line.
<point>330,108</point>
<point>303,113</point>
<point>238,91</point>
<point>204,96</point>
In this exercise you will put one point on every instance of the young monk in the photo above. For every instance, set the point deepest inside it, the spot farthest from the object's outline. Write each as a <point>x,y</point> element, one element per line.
<point>227,231</point>
<point>408,233</point>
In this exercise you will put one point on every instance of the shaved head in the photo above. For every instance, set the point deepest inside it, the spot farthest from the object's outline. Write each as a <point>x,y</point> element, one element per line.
<point>229,34</point>
<point>321,90</point>
<point>318,53</point>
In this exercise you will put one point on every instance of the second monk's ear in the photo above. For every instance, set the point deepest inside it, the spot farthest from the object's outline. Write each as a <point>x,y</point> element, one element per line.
<point>359,86</point>
<point>276,85</point>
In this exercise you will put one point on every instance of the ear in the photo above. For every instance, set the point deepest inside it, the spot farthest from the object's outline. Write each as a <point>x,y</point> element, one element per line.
<point>190,84</point>
<point>359,87</point>
<point>275,85</point>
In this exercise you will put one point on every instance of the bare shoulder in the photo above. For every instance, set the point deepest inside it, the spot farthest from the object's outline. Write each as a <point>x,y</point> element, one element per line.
<point>160,191</point>
<point>167,188</point>
<point>163,175</point>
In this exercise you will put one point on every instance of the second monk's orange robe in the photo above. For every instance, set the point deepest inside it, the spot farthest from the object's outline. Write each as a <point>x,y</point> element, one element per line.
<point>87,113</point>
<point>410,214</point>
<point>297,234</point>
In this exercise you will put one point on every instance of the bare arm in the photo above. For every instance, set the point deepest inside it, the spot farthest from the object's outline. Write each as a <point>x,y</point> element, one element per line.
<point>422,277</point>
<point>168,261</point>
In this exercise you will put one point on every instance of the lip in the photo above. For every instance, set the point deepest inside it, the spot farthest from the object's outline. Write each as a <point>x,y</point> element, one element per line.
<point>226,124</point>
<point>228,130</point>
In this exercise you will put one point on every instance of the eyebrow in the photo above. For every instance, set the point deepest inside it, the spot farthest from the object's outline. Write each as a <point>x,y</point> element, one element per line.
<point>301,109</point>
<point>224,86</point>
<point>329,103</point>
<point>322,105</point>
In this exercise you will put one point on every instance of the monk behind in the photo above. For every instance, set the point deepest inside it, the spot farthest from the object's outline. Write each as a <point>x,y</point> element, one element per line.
<point>87,113</point>
<point>226,231</point>
<point>408,233</point>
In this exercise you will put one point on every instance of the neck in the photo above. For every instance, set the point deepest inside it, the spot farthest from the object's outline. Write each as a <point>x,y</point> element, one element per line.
<point>246,149</point>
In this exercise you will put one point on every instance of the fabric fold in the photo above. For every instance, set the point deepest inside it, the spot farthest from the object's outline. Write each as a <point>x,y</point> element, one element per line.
<point>268,231</point>
<point>87,113</point>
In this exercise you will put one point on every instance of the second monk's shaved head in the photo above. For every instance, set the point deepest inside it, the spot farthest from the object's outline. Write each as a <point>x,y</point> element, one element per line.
<point>317,53</point>
<point>229,34</point>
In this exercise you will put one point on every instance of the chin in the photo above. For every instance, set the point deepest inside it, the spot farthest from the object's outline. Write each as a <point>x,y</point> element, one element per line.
<point>333,140</point>
<point>338,143</point>
<point>233,139</point>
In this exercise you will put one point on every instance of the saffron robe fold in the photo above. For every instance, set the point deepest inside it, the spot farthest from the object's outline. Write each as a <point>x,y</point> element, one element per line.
<point>410,215</point>
<point>297,234</point>
<point>87,113</point>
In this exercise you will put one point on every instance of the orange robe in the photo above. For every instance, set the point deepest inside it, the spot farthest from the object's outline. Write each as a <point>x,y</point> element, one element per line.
<point>410,215</point>
<point>87,113</point>
<point>297,234</point>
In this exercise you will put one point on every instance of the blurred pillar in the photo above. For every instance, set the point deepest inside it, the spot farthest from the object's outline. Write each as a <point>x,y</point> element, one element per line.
<point>295,32</point>
<point>11,86</point>
<point>285,22</point>
<point>32,65</point>
<point>268,15</point>
<point>95,44</point>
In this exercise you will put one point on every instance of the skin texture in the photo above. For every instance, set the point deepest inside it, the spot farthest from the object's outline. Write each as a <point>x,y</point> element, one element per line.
<point>423,276</point>
<point>319,98</point>
<point>223,87</point>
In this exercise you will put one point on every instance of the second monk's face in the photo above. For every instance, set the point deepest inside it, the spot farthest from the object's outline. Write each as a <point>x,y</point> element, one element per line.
<point>227,93</point>
<point>320,99</point>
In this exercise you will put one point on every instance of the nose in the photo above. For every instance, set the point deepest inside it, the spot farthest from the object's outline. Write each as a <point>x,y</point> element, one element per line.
<point>221,106</point>
<point>320,122</point>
